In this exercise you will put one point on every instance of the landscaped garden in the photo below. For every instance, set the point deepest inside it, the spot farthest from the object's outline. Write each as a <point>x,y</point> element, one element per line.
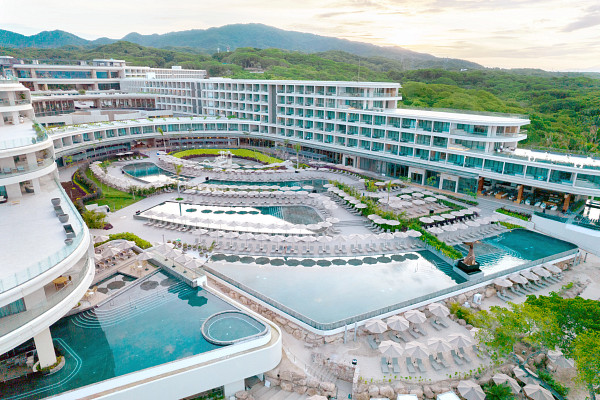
<point>242,153</point>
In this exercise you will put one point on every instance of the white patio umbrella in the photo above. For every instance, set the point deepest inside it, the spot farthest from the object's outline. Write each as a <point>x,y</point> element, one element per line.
<point>536,392</point>
<point>376,326</point>
<point>415,316</point>
<point>511,382</point>
<point>459,340</point>
<point>450,228</point>
<point>470,390</point>
<point>416,349</point>
<point>390,349</point>
<point>414,234</point>
<point>435,230</point>
<point>125,245</point>
<point>398,323</point>
<point>418,202</point>
<point>360,206</point>
<point>174,253</point>
<point>557,358</point>
<point>472,223</point>
<point>438,345</point>
<point>530,275</point>
<point>110,252</point>
<point>400,235</point>
<point>101,238</point>
<point>521,375</point>
<point>430,199</point>
<point>552,268</point>
<point>194,263</point>
<point>439,310</point>
<point>502,282</point>
<point>144,256</point>
<point>98,257</point>
<point>517,278</point>
<point>438,218</point>
<point>418,194</point>
<point>164,247</point>
<point>426,220</point>
<point>539,271</point>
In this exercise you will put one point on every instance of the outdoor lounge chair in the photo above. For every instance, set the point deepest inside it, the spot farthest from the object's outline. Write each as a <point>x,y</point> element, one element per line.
<point>442,360</point>
<point>456,358</point>
<point>418,329</point>
<point>421,366</point>
<point>464,355</point>
<point>516,291</point>
<point>442,322</point>
<point>394,338</point>
<point>410,366</point>
<point>396,366</point>
<point>384,366</point>
<point>434,363</point>
<point>371,341</point>
<point>435,325</point>
<point>413,333</point>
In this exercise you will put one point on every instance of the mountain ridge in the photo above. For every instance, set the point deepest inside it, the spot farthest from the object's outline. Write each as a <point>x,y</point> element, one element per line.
<point>233,36</point>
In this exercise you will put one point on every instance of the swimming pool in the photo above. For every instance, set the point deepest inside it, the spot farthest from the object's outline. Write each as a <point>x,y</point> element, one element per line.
<point>229,327</point>
<point>274,219</point>
<point>317,184</point>
<point>513,248</point>
<point>149,172</point>
<point>151,323</point>
<point>114,283</point>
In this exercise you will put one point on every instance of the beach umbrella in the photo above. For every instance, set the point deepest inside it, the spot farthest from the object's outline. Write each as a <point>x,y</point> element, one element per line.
<point>448,216</point>
<point>98,257</point>
<point>499,379</point>
<point>438,218</point>
<point>521,375</point>
<point>469,390</point>
<point>536,392</point>
<point>360,206</point>
<point>354,262</point>
<point>456,213</point>
<point>438,345</point>
<point>416,349</point>
<point>110,252</point>
<point>292,262</point>
<point>143,256</point>
<point>475,210</point>
<point>193,263</point>
<point>418,195</point>
<point>450,228</point>
<point>376,326</point>
<point>530,275</point>
<point>426,220</point>
<point>125,245</point>
<point>398,323</point>
<point>390,349</point>
<point>439,310</point>
<point>459,340</point>
<point>414,234</point>
<point>183,259</point>
<point>415,316</point>
<point>101,238</point>
<point>369,260</point>
<point>539,271</point>
<point>174,253</point>
<point>164,247</point>
<point>418,202</point>
<point>472,223</point>
<point>262,237</point>
<point>516,278</point>
<point>552,268</point>
<point>400,235</point>
<point>436,230</point>
<point>373,217</point>
<point>430,199</point>
<point>557,358</point>
<point>502,282</point>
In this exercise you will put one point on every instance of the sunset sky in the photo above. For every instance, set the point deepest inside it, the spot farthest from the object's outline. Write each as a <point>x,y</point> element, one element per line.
<point>548,34</point>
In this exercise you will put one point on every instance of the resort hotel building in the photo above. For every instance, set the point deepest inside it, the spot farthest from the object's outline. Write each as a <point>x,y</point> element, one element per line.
<point>114,319</point>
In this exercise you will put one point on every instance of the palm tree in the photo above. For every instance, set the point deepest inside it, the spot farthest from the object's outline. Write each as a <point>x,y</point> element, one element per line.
<point>500,392</point>
<point>162,133</point>
<point>297,147</point>
<point>178,169</point>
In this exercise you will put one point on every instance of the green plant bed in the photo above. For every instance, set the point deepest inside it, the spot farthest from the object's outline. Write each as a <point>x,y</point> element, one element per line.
<point>141,243</point>
<point>111,197</point>
<point>243,153</point>
<point>508,225</point>
<point>49,368</point>
<point>514,214</point>
<point>465,201</point>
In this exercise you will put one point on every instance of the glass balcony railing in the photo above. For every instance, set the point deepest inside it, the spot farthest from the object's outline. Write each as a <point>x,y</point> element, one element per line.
<point>24,169</point>
<point>43,265</point>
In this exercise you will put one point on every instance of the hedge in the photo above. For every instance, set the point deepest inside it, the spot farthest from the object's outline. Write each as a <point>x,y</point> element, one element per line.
<point>141,243</point>
<point>93,191</point>
<point>514,214</point>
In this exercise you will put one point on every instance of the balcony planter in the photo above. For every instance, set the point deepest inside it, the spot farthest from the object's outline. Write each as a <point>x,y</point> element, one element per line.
<point>69,231</point>
<point>55,201</point>
<point>58,210</point>
<point>69,241</point>
<point>63,218</point>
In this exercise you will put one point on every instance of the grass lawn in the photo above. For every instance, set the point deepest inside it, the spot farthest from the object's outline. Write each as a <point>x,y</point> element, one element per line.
<point>111,197</point>
<point>236,152</point>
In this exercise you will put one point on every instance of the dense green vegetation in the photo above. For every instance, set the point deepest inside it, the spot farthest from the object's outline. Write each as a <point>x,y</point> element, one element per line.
<point>141,243</point>
<point>514,214</point>
<point>564,108</point>
<point>111,197</point>
<point>243,153</point>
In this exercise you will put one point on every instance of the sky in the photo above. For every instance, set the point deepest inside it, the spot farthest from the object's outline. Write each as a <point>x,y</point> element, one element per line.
<point>548,34</point>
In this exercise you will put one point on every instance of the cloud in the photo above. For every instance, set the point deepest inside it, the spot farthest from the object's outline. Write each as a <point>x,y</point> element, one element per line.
<point>586,21</point>
<point>333,14</point>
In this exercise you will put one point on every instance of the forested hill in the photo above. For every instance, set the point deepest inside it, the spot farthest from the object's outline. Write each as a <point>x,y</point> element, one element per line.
<point>564,107</point>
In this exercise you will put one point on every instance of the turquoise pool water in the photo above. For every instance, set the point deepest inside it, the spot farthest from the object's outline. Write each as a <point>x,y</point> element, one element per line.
<point>515,247</point>
<point>231,326</point>
<point>149,324</point>
<point>293,214</point>
<point>316,183</point>
<point>147,172</point>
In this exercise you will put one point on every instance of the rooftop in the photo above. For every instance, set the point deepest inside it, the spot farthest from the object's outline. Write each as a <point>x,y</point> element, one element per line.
<point>19,135</point>
<point>462,116</point>
<point>33,242</point>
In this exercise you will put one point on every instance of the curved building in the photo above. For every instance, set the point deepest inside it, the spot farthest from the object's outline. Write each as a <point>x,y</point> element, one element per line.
<point>46,266</point>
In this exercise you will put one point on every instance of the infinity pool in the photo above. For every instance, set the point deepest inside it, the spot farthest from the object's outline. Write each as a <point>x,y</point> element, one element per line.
<point>317,184</point>
<point>148,172</point>
<point>151,323</point>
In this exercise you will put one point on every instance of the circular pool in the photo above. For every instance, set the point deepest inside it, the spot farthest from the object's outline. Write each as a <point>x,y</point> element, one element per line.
<point>230,327</point>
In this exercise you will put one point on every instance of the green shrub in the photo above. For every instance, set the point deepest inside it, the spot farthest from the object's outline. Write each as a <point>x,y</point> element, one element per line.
<point>549,379</point>
<point>94,219</point>
<point>514,214</point>
<point>508,225</point>
<point>241,153</point>
<point>141,243</point>
<point>462,313</point>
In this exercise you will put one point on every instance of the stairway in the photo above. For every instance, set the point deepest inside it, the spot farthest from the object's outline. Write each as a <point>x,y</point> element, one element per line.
<point>110,315</point>
<point>260,392</point>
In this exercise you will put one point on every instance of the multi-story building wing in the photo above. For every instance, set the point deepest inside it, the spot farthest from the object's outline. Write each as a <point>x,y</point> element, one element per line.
<point>46,266</point>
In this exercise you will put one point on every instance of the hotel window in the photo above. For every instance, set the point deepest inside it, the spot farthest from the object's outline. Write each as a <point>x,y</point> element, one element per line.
<point>339,140</point>
<point>424,139</point>
<point>328,138</point>
<point>406,151</point>
<point>467,185</point>
<point>494,166</point>
<point>422,154</point>
<point>425,125</point>
<point>352,130</point>
<point>449,185</point>
<point>97,135</point>
<point>561,177</point>
<point>378,133</point>
<point>367,119</point>
<point>377,146</point>
<point>366,132</point>
<point>456,159</point>
<point>393,135</point>
<point>537,173</point>
<point>588,181</point>
<point>440,141</point>
<point>379,120</point>
<point>407,137</point>
<point>441,126</point>
<point>408,123</point>
<point>473,162</point>
<point>391,149</point>
<point>470,144</point>
<point>365,144</point>
<point>352,117</point>
<point>513,169</point>
<point>13,308</point>
<point>101,74</point>
<point>352,143</point>
<point>395,122</point>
